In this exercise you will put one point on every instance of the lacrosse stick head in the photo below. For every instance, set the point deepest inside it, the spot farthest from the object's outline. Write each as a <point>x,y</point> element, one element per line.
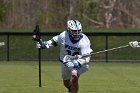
<point>36,34</point>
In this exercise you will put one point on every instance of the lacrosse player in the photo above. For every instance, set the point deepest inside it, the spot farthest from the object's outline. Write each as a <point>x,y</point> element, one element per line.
<point>74,43</point>
<point>134,44</point>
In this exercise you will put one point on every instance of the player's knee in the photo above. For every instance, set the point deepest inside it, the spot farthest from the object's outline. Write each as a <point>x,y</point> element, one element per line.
<point>66,83</point>
<point>74,78</point>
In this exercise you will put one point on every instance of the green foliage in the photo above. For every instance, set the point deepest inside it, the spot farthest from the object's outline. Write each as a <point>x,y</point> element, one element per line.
<point>54,13</point>
<point>92,10</point>
<point>42,18</point>
<point>56,16</point>
<point>84,30</point>
<point>3,10</point>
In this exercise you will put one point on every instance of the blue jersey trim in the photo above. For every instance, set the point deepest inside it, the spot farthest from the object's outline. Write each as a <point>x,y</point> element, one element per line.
<point>60,60</point>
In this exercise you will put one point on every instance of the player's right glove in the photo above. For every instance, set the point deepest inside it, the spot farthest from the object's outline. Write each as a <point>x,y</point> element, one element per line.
<point>134,44</point>
<point>72,64</point>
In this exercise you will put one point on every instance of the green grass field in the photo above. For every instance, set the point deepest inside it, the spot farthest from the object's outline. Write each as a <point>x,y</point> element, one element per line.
<point>22,77</point>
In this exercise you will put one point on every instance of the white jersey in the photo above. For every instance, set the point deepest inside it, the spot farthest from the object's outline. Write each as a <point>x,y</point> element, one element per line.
<point>67,47</point>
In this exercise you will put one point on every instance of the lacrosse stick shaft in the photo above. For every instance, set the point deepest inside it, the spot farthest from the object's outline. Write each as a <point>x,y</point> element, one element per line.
<point>39,55</point>
<point>37,38</point>
<point>86,55</point>
<point>39,66</point>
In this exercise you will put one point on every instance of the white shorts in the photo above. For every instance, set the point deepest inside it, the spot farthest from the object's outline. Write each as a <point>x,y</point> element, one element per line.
<point>66,72</point>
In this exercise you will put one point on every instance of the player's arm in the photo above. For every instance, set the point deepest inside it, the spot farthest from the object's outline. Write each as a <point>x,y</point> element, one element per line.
<point>56,40</point>
<point>83,61</point>
<point>85,49</point>
<point>46,44</point>
<point>79,61</point>
<point>75,63</point>
<point>134,44</point>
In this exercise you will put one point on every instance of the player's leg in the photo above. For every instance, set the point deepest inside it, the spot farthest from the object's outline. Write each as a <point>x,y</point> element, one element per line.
<point>70,79</point>
<point>66,75</point>
<point>83,69</point>
<point>75,76</point>
<point>74,81</point>
<point>67,84</point>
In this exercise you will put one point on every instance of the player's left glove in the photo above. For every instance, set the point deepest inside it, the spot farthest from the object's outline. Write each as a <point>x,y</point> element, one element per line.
<point>134,44</point>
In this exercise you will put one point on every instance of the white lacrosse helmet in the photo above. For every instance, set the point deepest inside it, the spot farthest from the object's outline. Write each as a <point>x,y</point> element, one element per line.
<point>74,28</point>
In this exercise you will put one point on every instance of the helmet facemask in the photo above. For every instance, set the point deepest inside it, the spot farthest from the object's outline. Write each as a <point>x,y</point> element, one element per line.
<point>75,34</point>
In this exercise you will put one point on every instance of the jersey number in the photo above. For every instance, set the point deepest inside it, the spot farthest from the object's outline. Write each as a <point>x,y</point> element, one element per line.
<point>69,52</point>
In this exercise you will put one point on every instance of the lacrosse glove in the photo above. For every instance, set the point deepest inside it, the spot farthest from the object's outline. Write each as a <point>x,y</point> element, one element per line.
<point>45,43</point>
<point>72,64</point>
<point>134,44</point>
<point>38,45</point>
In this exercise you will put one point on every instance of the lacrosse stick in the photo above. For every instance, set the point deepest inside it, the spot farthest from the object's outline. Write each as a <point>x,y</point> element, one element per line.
<point>37,38</point>
<point>93,53</point>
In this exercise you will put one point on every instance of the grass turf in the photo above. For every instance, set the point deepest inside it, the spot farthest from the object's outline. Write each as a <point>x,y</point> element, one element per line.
<point>22,77</point>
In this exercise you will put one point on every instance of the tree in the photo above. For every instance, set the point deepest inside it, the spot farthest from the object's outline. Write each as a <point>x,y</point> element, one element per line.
<point>55,13</point>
